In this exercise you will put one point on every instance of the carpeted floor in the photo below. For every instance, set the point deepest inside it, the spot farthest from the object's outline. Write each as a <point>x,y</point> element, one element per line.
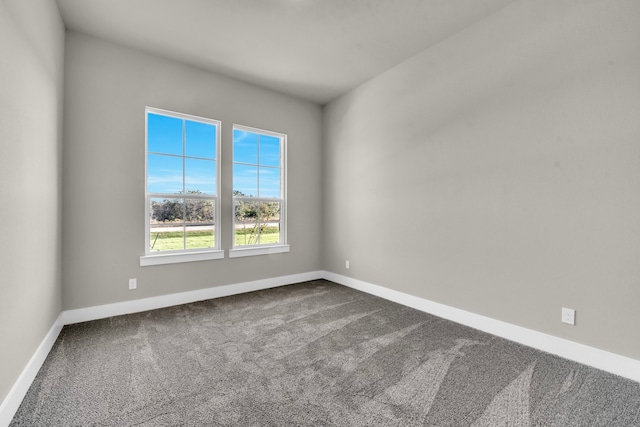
<point>314,353</point>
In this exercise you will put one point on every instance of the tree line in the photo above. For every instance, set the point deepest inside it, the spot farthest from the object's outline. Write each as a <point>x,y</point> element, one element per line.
<point>203,210</point>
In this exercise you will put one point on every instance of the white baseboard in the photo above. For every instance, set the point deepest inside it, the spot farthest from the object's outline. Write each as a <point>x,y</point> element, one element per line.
<point>135,306</point>
<point>590,356</point>
<point>13,400</point>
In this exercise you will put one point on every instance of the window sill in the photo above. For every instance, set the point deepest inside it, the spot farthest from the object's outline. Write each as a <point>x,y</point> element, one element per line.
<point>265,250</point>
<point>175,258</point>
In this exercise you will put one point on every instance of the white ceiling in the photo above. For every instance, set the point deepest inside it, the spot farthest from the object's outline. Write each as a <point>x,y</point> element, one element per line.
<point>311,49</point>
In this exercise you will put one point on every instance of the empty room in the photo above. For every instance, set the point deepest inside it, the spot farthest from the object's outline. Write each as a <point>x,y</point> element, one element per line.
<point>320,212</point>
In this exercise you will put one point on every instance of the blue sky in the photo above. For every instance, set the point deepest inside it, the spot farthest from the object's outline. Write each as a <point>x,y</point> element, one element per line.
<point>165,161</point>
<point>256,161</point>
<point>256,168</point>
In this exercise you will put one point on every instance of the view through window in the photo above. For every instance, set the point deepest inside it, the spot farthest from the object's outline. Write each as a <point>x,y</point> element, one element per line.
<point>182,184</point>
<point>258,187</point>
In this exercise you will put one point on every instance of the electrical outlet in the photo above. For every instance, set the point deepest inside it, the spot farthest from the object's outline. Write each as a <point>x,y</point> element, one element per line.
<point>346,264</point>
<point>133,283</point>
<point>568,316</point>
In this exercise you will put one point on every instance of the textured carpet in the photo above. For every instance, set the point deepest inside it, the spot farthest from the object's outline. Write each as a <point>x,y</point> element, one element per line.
<point>314,353</point>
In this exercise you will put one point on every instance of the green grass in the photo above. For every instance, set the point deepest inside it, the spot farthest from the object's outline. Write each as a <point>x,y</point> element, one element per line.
<point>268,235</point>
<point>174,240</point>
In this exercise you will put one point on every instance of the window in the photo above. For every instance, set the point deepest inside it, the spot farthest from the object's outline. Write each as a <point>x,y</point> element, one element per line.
<point>259,192</point>
<point>182,188</point>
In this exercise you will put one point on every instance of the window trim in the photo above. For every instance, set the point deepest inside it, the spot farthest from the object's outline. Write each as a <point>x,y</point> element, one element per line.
<point>259,250</point>
<point>181,255</point>
<point>269,248</point>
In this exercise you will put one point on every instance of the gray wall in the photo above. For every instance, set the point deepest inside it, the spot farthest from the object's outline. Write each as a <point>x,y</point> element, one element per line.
<point>106,90</point>
<point>31,75</point>
<point>499,172</point>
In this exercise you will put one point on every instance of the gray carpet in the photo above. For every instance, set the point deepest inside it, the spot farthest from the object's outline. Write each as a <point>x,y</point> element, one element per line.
<point>314,353</point>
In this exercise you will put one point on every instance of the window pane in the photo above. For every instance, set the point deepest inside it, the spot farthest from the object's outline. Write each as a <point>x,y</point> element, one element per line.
<point>200,228</point>
<point>166,211</point>
<point>269,182</point>
<point>164,134</point>
<point>200,176</point>
<point>246,230</point>
<point>269,222</point>
<point>245,180</point>
<point>269,151</point>
<point>199,211</point>
<point>164,174</point>
<point>200,140</point>
<point>245,147</point>
<point>166,231</point>
<point>200,236</point>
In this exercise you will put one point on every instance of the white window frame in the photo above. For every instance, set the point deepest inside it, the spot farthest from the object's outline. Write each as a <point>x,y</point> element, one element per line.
<point>183,255</point>
<point>267,248</point>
